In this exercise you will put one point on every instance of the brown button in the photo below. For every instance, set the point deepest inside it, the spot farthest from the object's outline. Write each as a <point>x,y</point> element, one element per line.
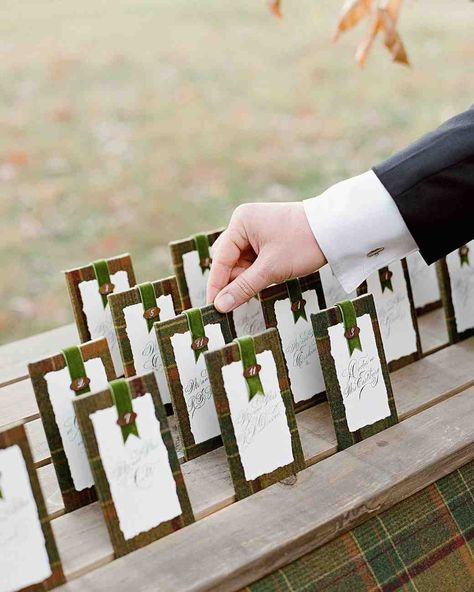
<point>375,252</point>
<point>199,343</point>
<point>151,313</point>
<point>253,370</point>
<point>78,384</point>
<point>126,419</point>
<point>298,305</point>
<point>106,289</point>
<point>387,275</point>
<point>206,262</point>
<point>351,332</point>
<point>464,250</point>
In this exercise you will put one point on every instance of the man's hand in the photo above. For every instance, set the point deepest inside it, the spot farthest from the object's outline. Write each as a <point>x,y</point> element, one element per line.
<point>264,244</point>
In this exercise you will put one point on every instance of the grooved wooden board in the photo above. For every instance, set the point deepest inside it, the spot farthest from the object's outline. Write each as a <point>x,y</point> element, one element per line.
<point>14,357</point>
<point>231,549</point>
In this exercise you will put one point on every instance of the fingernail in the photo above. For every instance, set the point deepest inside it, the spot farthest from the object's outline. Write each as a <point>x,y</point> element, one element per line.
<point>224,302</point>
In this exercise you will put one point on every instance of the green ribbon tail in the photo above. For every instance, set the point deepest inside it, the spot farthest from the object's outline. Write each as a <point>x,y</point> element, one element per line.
<point>102,275</point>
<point>122,399</point>
<point>199,340</point>
<point>248,357</point>
<point>150,307</point>
<point>297,301</point>
<point>385,277</point>
<point>201,241</point>
<point>77,370</point>
<point>351,330</point>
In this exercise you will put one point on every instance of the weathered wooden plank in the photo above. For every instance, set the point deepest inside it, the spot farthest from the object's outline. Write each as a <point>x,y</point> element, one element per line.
<point>433,330</point>
<point>255,536</point>
<point>15,356</point>
<point>18,402</point>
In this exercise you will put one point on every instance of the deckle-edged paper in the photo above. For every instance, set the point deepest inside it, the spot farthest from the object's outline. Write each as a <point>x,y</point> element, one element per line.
<point>24,558</point>
<point>424,282</point>
<point>332,289</point>
<point>299,347</point>
<point>360,378</point>
<point>138,471</point>
<point>260,425</point>
<point>461,276</point>
<point>99,319</point>
<point>195,382</point>
<point>144,344</point>
<point>61,397</point>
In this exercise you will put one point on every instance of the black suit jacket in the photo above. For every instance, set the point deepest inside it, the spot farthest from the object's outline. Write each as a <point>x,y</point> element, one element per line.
<point>432,183</point>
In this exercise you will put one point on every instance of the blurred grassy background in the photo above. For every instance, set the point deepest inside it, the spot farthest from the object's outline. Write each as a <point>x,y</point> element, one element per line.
<point>130,123</point>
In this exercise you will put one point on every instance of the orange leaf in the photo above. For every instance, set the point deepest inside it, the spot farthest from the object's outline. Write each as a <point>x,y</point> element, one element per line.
<point>393,41</point>
<point>364,47</point>
<point>352,12</point>
<point>275,7</point>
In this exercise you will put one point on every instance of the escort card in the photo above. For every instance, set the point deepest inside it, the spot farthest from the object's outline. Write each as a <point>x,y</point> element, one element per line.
<point>253,399</point>
<point>29,559</point>
<point>57,381</point>
<point>192,259</point>
<point>456,273</point>
<point>183,341</point>
<point>332,289</point>
<point>89,288</point>
<point>391,289</point>
<point>355,371</point>
<point>136,470</point>
<point>424,284</point>
<point>288,307</point>
<point>134,313</point>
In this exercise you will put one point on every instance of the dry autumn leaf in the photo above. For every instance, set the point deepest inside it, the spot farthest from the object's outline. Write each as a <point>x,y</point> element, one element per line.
<point>353,11</point>
<point>275,7</point>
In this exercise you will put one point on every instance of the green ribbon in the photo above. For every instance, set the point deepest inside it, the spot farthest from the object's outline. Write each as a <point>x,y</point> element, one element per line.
<point>102,275</point>
<point>248,357</point>
<point>297,301</point>
<point>201,241</point>
<point>77,370</point>
<point>385,277</point>
<point>122,399</point>
<point>351,330</point>
<point>199,340</point>
<point>151,310</point>
<point>464,255</point>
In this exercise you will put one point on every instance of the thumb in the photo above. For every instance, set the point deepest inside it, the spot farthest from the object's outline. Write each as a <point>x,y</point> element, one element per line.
<point>246,285</point>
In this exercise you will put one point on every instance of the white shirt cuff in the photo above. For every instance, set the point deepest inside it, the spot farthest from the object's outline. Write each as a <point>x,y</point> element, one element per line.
<point>359,228</point>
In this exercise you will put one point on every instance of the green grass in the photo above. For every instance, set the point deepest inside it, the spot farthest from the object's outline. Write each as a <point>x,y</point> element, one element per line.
<point>128,124</point>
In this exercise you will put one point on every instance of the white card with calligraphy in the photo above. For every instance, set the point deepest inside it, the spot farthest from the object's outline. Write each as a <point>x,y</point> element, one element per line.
<point>260,425</point>
<point>359,375</point>
<point>99,319</point>
<point>138,471</point>
<point>144,344</point>
<point>24,559</point>
<point>332,289</point>
<point>424,281</point>
<point>299,347</point>
<point>394,314</point>
<point>461,277</point>
<point>195,382</point>
<point>61,397</point>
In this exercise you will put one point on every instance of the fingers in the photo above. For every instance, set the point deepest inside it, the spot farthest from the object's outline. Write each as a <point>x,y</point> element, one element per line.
<point>248,283</point>
<point>226,254</point>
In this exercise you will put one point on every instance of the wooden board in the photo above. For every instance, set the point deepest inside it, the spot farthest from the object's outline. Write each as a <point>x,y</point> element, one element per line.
<point>208,479</point>
<point>231,549</point>
<point>14,357</point>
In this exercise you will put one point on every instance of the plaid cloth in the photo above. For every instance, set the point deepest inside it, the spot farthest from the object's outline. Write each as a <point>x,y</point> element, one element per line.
<point>423,544</point>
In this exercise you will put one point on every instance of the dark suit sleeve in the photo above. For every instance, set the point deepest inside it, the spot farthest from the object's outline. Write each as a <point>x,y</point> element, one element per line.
<point>432,184</point>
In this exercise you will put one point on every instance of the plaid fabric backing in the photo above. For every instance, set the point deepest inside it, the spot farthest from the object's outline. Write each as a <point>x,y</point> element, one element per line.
<point>405,360</point>
<point>423,544</point>
<point>271,295</point>
<point>321,322</point>
<point>178,249</point>
<point>98,348</point>
<point>118,302</point>
<point>15,434</point>
<point>88,404</point>
<point>75,276</point>
<point>215,361</point>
